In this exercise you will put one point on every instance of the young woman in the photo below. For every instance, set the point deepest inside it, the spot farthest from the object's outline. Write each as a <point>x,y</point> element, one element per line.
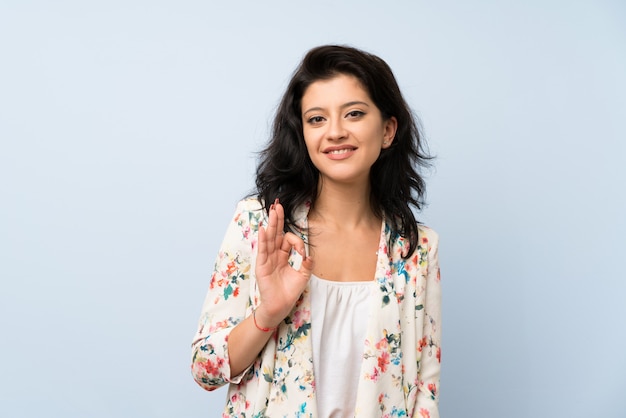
<point>325,298</point>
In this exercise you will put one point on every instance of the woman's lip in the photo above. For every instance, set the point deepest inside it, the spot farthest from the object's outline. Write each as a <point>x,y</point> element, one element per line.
<point>339,153</point>
<point>338,149</point>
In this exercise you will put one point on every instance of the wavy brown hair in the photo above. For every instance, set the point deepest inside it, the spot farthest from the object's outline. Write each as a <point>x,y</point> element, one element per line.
<point>285,170</point>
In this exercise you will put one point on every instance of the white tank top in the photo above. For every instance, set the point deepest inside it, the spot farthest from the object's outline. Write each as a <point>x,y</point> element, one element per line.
<point>339,316</point>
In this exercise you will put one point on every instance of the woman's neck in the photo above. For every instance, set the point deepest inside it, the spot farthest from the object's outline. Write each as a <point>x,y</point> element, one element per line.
<point>344,206</point>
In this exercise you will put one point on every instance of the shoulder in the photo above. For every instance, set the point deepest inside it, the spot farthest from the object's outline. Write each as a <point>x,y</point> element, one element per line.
<point>250,210</point>
<point>249,204</point>
<point>249,215</point>
<point>427,237</point>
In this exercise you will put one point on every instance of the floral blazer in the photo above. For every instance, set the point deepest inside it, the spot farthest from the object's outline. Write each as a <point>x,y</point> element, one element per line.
<point>402,354</point>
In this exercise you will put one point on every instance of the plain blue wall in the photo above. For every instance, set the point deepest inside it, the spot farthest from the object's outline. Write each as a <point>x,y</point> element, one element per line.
<point>128,131</point>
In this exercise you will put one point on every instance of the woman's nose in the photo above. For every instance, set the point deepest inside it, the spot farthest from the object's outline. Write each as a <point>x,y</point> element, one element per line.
<point>336,130</point>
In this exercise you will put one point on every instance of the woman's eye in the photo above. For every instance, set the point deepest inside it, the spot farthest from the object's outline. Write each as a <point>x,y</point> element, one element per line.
<point>315,119</point>
<point>355,114</point>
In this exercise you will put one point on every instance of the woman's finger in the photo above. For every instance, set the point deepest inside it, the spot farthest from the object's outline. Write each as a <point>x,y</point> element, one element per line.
<point>290,241</point>
<point>270,235</point>
<point>280,216</point>
<point>262,247</point>
<point>306,268</point>
<point>280,223</point>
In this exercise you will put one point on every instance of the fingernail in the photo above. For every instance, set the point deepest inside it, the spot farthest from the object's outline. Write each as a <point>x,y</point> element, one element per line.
<point>276,201</point>
<point>272,206</point>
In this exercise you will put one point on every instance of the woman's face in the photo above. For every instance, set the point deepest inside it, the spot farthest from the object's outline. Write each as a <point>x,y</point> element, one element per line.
<point>344,131</point>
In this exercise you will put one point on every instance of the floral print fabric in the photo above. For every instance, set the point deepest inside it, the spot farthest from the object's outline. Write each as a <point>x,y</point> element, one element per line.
<point>402,352</point>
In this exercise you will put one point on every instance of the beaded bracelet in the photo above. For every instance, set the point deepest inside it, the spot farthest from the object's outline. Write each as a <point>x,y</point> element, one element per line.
<point>257,325</point>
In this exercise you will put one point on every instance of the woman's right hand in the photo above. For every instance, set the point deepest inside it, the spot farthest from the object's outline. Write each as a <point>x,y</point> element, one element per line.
<point>280,285</point>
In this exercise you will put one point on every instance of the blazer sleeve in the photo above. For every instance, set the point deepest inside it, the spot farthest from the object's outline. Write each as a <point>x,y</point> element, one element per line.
<point>228,300</point>
<point>430,367</point>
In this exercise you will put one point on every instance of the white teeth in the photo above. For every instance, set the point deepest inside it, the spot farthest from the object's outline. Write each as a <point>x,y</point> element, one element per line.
<point>340,151</point>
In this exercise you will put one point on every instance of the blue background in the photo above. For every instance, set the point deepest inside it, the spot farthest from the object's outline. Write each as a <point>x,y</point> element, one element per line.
<point>128,132</point>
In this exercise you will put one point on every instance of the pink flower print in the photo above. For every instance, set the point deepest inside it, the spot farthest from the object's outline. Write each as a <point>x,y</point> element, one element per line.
<point>218,325</point>
<point>439,354</point>
<point>231,267</point>
<point>383,361</point>
<point>374,376</point>
<point>246,232</point>
<point>424,413</point>
<point>218,279</point>
<point>197,368</point>
<point>235,399</point>
<point>213,368</point>
<point>422,343</point>
<point>300,317</point>
<point>382,344</point>
<point>213,280</point>
<point>433,390</point>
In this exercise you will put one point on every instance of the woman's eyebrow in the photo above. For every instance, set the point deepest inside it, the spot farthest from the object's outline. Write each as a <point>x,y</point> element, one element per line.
<point>356,102</point>
<point>343,106</point>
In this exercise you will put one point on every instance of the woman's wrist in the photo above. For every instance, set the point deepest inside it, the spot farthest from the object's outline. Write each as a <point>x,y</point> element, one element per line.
<point>262,322</point>
<point>259,327</point>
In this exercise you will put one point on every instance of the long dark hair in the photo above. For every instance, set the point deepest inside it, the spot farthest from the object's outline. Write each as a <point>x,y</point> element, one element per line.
<point>285,170</point>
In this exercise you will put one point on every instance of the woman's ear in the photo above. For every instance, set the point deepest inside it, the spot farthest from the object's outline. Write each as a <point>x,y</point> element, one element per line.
<point>389,131</point>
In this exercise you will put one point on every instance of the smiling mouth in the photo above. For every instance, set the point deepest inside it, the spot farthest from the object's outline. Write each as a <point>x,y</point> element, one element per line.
<point>340,151</point>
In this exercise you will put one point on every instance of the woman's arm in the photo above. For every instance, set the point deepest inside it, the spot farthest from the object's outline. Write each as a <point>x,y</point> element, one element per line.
<point>228,298</point>
<point>228,341</point>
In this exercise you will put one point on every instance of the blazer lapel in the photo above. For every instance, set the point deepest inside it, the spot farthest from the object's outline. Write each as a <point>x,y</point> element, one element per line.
<point>380,386</point>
